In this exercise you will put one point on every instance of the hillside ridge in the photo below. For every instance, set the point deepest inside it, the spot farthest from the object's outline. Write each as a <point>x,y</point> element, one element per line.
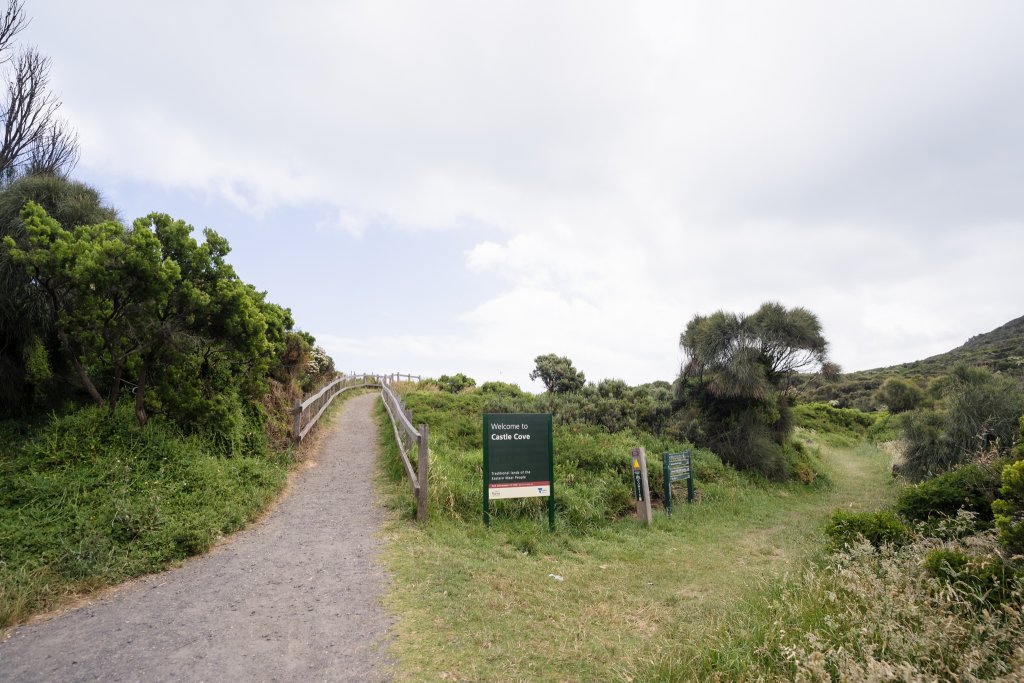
<point>1000,350</point>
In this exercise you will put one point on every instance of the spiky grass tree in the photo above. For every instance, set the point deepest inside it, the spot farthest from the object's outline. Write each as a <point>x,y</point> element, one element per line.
<point>736,379</point>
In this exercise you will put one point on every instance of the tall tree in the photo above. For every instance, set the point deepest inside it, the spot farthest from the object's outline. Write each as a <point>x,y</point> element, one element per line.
<point>733,390</point>
<point>558,374</point>
<point>100,282</point>
<point>151,307</point>
<point>26,329</point>
<point>33,138</point>
<point>751,356</point>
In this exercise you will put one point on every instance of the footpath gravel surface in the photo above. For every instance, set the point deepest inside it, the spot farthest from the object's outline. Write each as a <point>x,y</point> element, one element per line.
<point>296,597</point>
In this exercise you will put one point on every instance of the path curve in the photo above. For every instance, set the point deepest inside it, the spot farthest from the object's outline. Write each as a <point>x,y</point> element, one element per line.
<point>293,598</point>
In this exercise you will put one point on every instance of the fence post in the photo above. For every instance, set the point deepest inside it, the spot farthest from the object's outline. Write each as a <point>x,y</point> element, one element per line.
<point>297,420</point>
<point>422,465</point>
<point>641,487</point>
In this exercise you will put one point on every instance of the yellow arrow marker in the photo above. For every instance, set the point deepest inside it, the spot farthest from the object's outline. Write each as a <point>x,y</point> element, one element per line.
<point>636,463</point>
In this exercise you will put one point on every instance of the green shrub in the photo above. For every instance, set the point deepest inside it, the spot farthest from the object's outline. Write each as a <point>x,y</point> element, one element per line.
<point>822,417</point>
<point>1009,508</point>
<point>593,480</point>
<point>501,389</point>
<point>836,427</point>
<point>803,463</point>
<point>898,395</point>
<point>986,579</point>
<point>927,451</point>
<point>971,487</point>
<point>846,528</point>
<point>982,414</point>
<point>886,428</point>
<point>456,383</point>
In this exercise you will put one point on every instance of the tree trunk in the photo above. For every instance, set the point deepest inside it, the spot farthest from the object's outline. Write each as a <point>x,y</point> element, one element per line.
<point>115,390</point>
<point>77,364</point>
<point>140,394</point>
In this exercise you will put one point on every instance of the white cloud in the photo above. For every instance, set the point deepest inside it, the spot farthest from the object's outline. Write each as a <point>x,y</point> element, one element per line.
<point>617,167</point>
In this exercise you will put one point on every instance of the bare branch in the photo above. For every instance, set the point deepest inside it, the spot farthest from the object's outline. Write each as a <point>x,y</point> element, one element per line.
<point>30,108</point>
<point>11,24</point>
<point>55,152</point>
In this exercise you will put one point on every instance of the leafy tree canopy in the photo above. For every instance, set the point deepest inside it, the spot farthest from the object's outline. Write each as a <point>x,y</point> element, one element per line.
<point>456,383</point>
<point>151,308</point>
<point>26,334</point>
<point>558,374</point>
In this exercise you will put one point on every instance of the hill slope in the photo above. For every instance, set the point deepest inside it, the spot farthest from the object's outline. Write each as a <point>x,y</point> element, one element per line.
<point>1001,350</point>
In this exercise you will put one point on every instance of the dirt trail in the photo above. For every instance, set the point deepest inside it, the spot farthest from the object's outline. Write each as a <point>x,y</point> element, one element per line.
<point>294,598</point>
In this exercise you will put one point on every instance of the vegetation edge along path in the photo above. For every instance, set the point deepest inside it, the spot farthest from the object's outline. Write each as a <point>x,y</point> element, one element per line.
<point>297,595</point>
<point>615,604</point>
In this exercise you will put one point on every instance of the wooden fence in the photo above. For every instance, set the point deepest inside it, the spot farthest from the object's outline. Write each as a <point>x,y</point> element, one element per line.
<point>406,436</point>
<point>307,412</point>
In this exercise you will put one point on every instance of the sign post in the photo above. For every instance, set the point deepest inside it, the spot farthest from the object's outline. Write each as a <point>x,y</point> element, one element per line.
<point>677,467</point>
<point>519,459</point>
<point>641,487</point>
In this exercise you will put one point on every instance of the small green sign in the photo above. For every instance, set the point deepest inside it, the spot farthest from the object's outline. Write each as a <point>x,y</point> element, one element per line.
<point>638,484</point>
<point>518,459</point>
<point>677,467</point>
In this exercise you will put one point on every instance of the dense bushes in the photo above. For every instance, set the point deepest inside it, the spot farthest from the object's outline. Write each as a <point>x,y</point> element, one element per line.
<point>981,413</point>
<point>972,487</point>
<point>846,529</point>
<point>453,384</point>
<point>983,579</point>
<point>898,395</point>
<point>1009,509</point>
<point>840,427</point>
<point>615,406</point>
<point>150,308</point>
<point>611,404</point>
<point>30,364</point>
<point>592,468</point>
<point>748,434</point>
<point>920,611</point>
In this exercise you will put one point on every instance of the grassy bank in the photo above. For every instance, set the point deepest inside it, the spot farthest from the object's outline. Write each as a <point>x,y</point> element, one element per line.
<point>89,500</point>
<point>602,598</point>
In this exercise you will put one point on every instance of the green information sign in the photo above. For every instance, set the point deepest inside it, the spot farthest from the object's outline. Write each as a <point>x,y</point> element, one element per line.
<point>518,459</point>
<point>677,467</point>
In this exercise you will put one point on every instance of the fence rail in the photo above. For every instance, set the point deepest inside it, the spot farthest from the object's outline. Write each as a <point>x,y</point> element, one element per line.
<point>307,412</point>
<point>406,436</point>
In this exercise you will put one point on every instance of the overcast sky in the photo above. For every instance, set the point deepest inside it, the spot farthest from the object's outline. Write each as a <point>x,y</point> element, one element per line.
<point>440,187</point>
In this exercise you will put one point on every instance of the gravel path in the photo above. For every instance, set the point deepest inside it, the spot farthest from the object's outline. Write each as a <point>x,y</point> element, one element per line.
<point>293,598</point>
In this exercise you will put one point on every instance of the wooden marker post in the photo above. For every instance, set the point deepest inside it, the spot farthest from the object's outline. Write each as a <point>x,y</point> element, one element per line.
<point>640,485</point>
<point>422,466</point>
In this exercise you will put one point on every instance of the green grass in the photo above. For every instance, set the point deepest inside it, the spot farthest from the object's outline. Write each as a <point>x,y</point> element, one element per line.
<point>838,427</point>
<point>592,470</point>
<point>864,614</point>
<point>88,500</point>
<point>481,604</point>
